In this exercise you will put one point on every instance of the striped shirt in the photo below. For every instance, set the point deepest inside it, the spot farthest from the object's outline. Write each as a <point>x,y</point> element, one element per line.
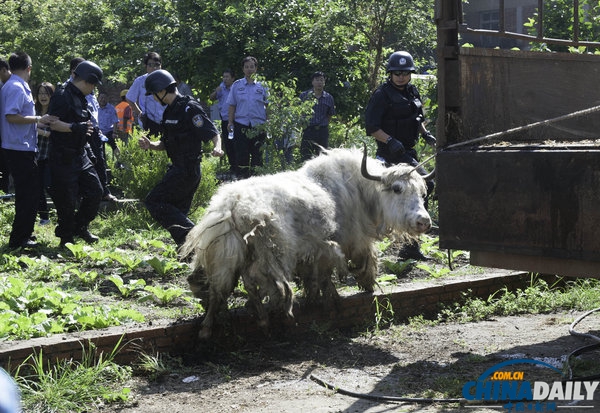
<point>323,108</point>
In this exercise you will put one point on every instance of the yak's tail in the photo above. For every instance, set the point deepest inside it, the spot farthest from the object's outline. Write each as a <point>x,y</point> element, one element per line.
<point>218,248</point>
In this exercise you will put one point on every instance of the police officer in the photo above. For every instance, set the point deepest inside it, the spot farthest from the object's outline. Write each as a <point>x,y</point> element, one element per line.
<point>185,127</point>
<point>394,117</point>
<point>76,189</point>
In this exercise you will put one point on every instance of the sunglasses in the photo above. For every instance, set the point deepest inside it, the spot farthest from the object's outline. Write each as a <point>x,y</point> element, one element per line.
<point>401,72</point>
<point>153,64</point>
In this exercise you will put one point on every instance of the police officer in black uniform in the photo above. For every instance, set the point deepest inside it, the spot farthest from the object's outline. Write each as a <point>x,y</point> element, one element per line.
<point>394,117</point>
<point>185,127</point>
<point>76,189</point>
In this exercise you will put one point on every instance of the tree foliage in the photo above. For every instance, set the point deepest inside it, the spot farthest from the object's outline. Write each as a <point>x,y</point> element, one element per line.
<point>558,23</point>
<point>348,40</point>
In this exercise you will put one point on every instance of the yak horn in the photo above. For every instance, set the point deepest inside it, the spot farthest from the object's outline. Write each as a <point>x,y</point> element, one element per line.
<point>363,167</point>
<point>430,175</point>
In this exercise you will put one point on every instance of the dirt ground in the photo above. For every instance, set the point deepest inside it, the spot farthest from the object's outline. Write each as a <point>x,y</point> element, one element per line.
<point>401,361</point>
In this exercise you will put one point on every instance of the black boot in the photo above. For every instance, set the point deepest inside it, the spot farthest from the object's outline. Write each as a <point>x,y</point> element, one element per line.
<point>87,236</point>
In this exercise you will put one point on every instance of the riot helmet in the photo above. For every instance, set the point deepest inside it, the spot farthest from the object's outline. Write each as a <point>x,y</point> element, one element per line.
<point>157,81</point>
<point>401,61</point>
<point>90,72</point>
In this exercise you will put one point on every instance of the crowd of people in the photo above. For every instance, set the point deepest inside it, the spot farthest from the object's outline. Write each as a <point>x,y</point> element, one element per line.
<point>58,137</point>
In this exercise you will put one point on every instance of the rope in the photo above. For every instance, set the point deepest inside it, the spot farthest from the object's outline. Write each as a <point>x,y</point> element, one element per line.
<point>526,127</point>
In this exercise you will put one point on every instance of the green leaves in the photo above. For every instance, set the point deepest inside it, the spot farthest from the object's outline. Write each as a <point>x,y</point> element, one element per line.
<point>33,309</point>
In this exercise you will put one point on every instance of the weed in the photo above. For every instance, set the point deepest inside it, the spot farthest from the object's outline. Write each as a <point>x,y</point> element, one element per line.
<point>419,323</point>
<point>71,386</point>
<point>156,366</point>
<point>537,298</point>
<point>384,313</point>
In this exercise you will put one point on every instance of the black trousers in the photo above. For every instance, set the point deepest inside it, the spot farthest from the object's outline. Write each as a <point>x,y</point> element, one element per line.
<point>248,145</point>
<point>24,169</point>
<point>228,145</point>
<point>76,192</point>
<point>170,200</point>
<point>101,169</point>
<point>4,173</point>
<point>310,136</point>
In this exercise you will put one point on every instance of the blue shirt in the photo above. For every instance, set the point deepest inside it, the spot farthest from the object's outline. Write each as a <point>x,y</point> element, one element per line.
<point>250,101</point>
<point>222,96</point>
<point>16,99</point>
<point>323,108</point>
<point>148,105</point>
<point>107,118</point>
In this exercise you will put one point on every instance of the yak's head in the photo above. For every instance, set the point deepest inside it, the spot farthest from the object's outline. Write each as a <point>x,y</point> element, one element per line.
<point>403,193</point>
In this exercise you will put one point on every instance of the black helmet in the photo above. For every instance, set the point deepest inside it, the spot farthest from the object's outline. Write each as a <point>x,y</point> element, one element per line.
<point>90,72</point>
<point>157,81</point>
<point>401,61</point>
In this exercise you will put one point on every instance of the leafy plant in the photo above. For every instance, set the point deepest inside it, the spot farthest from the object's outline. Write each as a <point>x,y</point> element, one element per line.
<point>141,170</point>
<point>87,278</point>
<point>126,289</point>
<point>163,295</point>
<point>128,261</point>
<point>538,297</point>
<point>156,366</point>
<point>164,266</point>
<point>79,251</point>
<point>432,270</point>
<point>398,267</point>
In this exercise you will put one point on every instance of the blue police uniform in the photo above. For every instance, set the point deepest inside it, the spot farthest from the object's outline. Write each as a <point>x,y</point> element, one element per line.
<point>250,101</point>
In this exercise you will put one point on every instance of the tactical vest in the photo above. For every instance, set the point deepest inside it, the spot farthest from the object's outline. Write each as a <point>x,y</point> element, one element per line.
<point>180,137</point>
<point>78,112</point>
<point>403,114</point>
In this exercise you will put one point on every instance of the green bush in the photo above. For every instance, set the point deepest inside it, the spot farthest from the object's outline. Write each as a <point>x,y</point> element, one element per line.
<point>140,170</point>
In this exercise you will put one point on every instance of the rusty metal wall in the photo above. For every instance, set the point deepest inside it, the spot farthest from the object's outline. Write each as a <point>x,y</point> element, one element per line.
<point>514,208</point>
<point>504,89</point>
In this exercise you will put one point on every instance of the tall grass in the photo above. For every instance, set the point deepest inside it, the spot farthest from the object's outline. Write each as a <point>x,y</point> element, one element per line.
<point>71,386</point>
<point>539,297</point>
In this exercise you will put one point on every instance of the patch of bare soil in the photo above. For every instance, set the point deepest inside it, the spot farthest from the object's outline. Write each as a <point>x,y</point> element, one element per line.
<point>401,361</point>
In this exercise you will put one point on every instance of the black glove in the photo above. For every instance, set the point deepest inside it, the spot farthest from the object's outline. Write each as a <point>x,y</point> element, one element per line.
<point>90,154</point>
<point>394,145</point>
<point>429,138</point>
<point>79,128</point>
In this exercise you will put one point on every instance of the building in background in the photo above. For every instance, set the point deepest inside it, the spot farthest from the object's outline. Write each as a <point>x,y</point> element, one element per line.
<point>485,14</point>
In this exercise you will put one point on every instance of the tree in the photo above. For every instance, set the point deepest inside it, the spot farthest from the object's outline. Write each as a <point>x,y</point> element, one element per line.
<point>558,23</point>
